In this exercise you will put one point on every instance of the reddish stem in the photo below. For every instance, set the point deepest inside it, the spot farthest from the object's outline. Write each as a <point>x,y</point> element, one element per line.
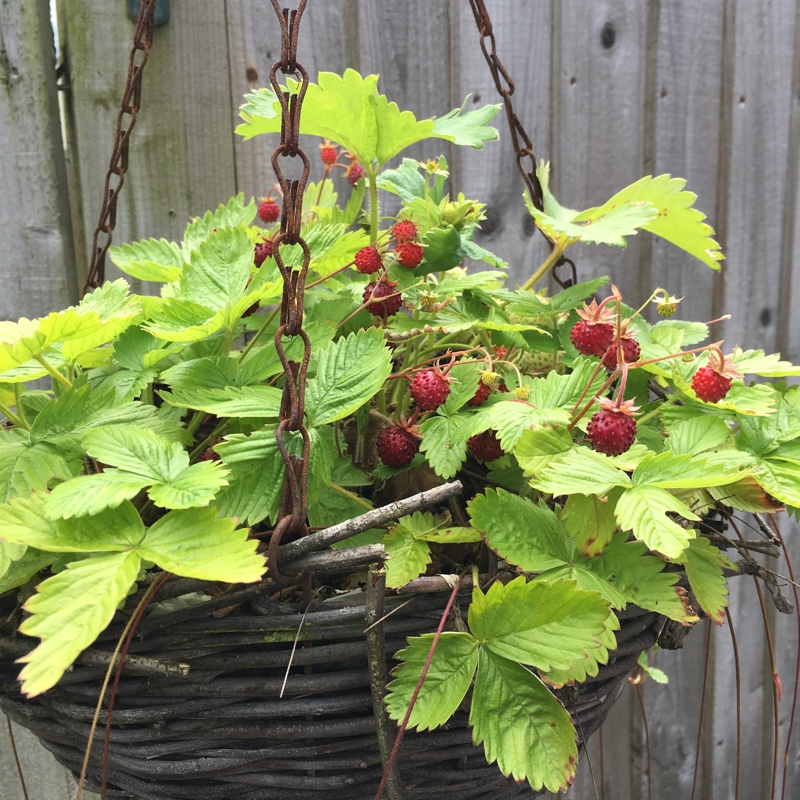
<point>738,674</point>
<point>417,688</point>
<point>797,657</point>
<point>702,707</point>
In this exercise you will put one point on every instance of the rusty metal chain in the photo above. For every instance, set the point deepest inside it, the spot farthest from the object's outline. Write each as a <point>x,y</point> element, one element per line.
<point>294,502</point>
<point>115,177</point>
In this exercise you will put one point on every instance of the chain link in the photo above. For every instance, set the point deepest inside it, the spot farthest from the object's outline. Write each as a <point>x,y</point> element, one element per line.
<point>294,502</point>
<point>526,161</point>
<point>115,177</point>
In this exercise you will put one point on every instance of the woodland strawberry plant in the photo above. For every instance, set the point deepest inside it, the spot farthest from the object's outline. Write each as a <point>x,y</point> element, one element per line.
<point>592,442</point>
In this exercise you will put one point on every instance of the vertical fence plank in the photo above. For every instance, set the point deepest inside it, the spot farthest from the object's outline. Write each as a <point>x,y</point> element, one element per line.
<point>759,61</point>
<point>37,263</point>
<point>254,44</point>
<point>522,32</point>
<point>598,118</point>
<point>181,151</point>
<point>685,136</point>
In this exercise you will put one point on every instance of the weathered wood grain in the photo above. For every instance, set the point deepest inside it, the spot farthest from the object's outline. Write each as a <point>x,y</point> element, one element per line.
<point>523,33</point>
<point>181,152</point>
<point>37,262</point>
<point>597,119</point>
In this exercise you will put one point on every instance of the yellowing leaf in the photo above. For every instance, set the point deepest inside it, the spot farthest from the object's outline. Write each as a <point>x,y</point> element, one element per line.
<point>69,611</point>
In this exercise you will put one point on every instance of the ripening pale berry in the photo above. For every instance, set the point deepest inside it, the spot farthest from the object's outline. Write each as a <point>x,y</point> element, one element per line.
<point>480,395</point>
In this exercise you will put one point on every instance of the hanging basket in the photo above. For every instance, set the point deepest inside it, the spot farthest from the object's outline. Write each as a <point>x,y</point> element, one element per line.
<point>236,725</point>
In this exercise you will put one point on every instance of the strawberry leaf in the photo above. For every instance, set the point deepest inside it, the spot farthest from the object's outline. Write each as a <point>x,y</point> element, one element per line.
<point>581,471</point>
<point>643,510</point>
<point>446,682</point>
<point>521,724</point>
<point>69,611</point>
<point>704,569</point>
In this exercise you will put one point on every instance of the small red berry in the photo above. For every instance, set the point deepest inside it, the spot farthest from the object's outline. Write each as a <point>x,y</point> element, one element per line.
<point>381,299</point>
<point>404,231</point>
<point>353,173</point>
<point>592,339</point>
<point>710,386</point>
<point>480,395</point>
<point>268,210</point>
<point>612,430</point>
<point>630,353</point>
<point>262,251</point>
<point>409,254</point>
<point>485,446</point>
<point>368,260</point>
<point>500,351</point>
<point>328,153</point>
<point>430,388</point>
<point>396,446</point>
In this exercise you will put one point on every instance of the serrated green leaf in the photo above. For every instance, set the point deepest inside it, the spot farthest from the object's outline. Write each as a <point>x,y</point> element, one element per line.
<point>24,569</point>
<point>446,682</point>
<point>195,543</point>
<point>563,391</point>
<point>542,624</point>
<point>444,443</point>
<point>408,556</point>
<point>9,553</point>
<point>148,260</point>
<point>442,250</point>
<point>69,611</point>
<point>25,466</point>
<point>581,471</point>
<point>349,372</point>
<point>511,418</point>
<point>196,485</point>
<point>704,569</point>
<point>228,215</point>
<point>521,724</point>
<point>590,520</point>
<point>348,110</point>
<point>747,495</point>
<point>137,450</point>
<point>644,509</point>
<point>91,494</point>
<point>697,435</point>
<point>27,521</point>
<point>527,535</point>
<point>542,447</point>
<point>755,362</point>
<point>676,219</point>
<point>780,478</point>
<point>588,666</point>
<point>26,339</point>
<point>465,380</point>
<point>671,471</point>
<point>256,475</point>
<point>259,402</point>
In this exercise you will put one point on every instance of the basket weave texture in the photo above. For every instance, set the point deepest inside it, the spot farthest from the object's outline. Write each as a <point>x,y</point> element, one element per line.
<point>224,731</point>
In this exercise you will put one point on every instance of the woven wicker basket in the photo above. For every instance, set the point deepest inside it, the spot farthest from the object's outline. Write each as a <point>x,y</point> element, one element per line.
<point>224,731</point>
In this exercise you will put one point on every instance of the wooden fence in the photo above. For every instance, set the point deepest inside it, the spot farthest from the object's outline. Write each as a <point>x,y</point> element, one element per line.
<point>608,89</point>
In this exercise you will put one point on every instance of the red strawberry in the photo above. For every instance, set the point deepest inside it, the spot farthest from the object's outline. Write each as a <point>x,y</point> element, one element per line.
<point>630,352</point>
<point>368,260</point>
<point>612,430</point>
<point>396,446</point>
<point>409,254</point>
<point>328,153</point>
<point>262,251</point>
<point>711,383</point>
<point>485,446</point>
<point>354,172</point>
<point>268,210</point>
<point>593,333</point>
<point>430,388</point>
<point>404,231</point>
<point>480,395</point>
<point>374,295</point>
